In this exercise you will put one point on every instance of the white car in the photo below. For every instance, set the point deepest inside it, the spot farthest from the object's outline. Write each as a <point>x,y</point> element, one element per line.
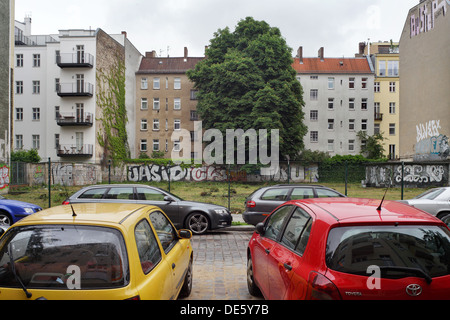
<point>435,201</point>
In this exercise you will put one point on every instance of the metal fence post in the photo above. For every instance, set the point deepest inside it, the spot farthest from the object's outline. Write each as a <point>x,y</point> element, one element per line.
<point>346,176</point>
<point>403,183</point>
<point>49,183</point>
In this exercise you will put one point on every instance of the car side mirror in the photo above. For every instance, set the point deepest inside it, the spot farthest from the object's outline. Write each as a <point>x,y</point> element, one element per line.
<point>260,228</point>
<point>185,234</point>
<point>167,198</point>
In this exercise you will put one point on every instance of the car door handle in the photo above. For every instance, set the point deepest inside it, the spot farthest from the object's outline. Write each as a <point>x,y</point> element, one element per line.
<point>267,251</point>
<point>173,265</point>
<point>288,266</point>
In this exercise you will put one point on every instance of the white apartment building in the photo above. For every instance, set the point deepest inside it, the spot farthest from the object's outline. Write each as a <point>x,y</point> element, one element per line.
<point>55,82</point>
<point>339,99</point>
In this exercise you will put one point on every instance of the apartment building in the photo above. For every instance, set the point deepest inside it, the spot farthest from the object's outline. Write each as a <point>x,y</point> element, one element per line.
<point>56,80</point>
<point>385,60</point>
<point>425,82</point>
<point>165,103</point>
<point>338,96</point>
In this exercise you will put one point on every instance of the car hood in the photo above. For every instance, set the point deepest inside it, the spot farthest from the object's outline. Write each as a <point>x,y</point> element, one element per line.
<point>19,204</point>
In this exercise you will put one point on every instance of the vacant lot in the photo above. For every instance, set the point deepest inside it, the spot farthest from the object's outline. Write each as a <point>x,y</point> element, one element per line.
<point>211,192</point>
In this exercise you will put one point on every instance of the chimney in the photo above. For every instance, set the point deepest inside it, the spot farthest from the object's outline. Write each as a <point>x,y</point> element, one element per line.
<point>300,54</point>
<point>321,51</point>
<point>124,33</point>
<point>362,48</point>
<point>185,52</point>
<point>27,21</point>
<point>150,54</point>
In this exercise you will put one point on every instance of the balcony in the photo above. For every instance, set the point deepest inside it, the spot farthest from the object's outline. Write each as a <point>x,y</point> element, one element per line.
<point>77,89</point>
<point>75,60</point>
<point>71,119</point>
<point>378,116</point>
<point>73,150</point>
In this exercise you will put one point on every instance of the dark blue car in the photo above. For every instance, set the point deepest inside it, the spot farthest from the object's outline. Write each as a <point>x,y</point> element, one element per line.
<point>12,211</point>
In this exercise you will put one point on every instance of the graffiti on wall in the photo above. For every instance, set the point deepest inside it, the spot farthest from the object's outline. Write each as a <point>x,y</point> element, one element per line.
<point>156,173</point>
<point>4,177</point>
<point>419,175</point>
<point>431,144</point>
<point>424,20</point>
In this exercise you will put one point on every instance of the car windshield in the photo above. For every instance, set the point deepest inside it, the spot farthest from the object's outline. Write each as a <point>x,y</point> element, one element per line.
<point>58,256</point>
<point>395,248</point>
<point>430,194</point>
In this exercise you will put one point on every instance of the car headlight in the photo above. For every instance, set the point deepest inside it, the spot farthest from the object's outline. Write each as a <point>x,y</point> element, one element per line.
<point>29,210</point>
<point>220,211</point>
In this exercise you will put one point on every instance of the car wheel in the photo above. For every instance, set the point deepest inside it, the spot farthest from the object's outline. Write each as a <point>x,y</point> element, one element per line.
<point>445,217</point>
<point>187,285</point>
<point>198,223</point>
<point>251,285</point>
<point>5,219</point>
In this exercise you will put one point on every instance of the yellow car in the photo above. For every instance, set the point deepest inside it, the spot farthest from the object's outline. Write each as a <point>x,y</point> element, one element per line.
<point>96,251</point>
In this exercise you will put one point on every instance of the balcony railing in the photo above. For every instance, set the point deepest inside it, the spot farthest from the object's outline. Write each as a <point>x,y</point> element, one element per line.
<point>75,60</point>
<point>378,116</point>
<point>71,119</point>
<point>73,150</point>
<point>84,89</point>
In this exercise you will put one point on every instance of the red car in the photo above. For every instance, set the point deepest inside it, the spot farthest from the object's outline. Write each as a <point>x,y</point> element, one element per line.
<point>348,248</point>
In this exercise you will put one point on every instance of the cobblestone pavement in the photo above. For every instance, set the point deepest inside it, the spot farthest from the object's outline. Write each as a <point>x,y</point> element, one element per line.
<point>220,263</point>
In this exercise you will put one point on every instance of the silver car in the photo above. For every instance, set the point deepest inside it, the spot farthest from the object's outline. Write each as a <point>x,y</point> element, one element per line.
<point>435,201</point>
<point>198,217</point>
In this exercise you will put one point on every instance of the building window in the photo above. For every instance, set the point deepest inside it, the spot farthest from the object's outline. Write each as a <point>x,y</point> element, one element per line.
<point>19,87</point>
<point>155,124</point>
<point>194,115</point>
<point>144,84</point>
<point>177,104</point>
<point>57,141</point>
<point>351,103</point>
<point>177,83</point>
<point>393,68</point>
<point>330,83</point>
<point>351,83</point>
<point>314,136</point>
<point>330,103</point>
<point>57,113</point>
<point>392,151</point>
<point>364,104</point>
<point>351,145</point>
<point>330,145</point>
<point>314,77</point>
<point>176,145</point>
<point>36,114</point>
<point>376,87</point>
<point>19,141</point>
<point>376,128</point>
<point>391,86</point>
<point>143,145</point>
<point>194,94</point>
<point>330,124</point>
<point>314,94</point>
<point>19,114</point>
<point>392,129</point>
<point>57,84</point>
<point>36,141</point>
<point>36,87</point>
<point>392,107</point>
<point>155,103</point>
<point>155,145</point>
<point>351,124</point>
<point>144,104</point>
<point>364,83</point>
<point>19,60</point>
<point>144,125</point>
<point>382,68</point>
<point>156,84</point>
<point>177,124</point>
<point>314,115</point>
<point>364,124</point>
<point>36,60</point>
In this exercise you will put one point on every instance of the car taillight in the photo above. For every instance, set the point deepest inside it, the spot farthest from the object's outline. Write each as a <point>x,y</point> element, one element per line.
<point>134,298</point>
<point>251,204</point>
<point>321,288</point>
<point>65,202</point>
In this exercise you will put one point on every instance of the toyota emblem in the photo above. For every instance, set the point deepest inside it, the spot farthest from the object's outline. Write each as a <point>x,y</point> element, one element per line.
<point>413,290</point>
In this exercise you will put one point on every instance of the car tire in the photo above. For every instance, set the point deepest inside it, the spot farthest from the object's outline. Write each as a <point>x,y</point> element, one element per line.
<point>5,219</point>
<point>197,222</point>
<point>251,285</point>
<point>187,284</point>
<point>445,217</point>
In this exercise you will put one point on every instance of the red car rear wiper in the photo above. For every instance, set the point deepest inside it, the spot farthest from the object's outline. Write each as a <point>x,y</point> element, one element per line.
<point>416,271</point>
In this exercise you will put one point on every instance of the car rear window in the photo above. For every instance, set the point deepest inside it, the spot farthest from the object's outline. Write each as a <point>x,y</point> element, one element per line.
<point>392,248</point>
<point>276,194</point>
<point>61,256</point>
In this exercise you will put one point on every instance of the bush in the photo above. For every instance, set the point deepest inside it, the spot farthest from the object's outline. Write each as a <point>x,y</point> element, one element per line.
<point>26,156</point>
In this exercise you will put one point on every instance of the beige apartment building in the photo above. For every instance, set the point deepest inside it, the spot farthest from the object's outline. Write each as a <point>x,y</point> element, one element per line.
<point>425,82</point>
<point>165,103</point>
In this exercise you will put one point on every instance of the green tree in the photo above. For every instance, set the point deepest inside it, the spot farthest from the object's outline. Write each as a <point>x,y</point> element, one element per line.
<point>373,146</point>
<point>247,82</point>
<point>25,156</point>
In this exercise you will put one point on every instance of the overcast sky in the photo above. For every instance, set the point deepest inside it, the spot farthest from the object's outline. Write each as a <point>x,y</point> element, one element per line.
<point>336,25</point>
